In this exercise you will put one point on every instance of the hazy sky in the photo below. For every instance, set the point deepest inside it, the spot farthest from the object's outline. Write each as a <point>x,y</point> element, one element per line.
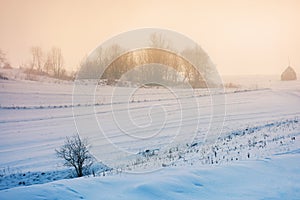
<point>241,37</point>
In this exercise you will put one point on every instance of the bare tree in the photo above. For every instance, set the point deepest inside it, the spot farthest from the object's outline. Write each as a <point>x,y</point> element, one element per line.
<point>158,41</point>
<point>2,57</point>
<point>75,154</point>
<point>56,61</point>
<point>48,64</point>
<point>37,58</point>
<point>200,59</point>
<point>3,61</point>
<point>115,70</point>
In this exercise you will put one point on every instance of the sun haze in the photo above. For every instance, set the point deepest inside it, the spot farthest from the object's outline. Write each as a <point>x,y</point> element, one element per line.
<point>241,37</point>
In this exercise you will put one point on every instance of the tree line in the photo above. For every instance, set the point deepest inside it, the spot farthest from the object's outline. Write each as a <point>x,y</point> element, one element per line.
<point>190,65</point>
<point>47,63</point>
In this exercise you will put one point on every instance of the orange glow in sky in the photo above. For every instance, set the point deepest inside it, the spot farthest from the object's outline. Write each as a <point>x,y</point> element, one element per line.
<point>241,37</point>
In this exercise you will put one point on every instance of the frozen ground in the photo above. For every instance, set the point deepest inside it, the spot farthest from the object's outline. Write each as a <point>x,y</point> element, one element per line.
<point>276,179</point>
<point>255,157</point>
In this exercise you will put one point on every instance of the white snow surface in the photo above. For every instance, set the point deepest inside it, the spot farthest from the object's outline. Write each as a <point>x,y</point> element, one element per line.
<point>257,156</point>
<point>276,178</point>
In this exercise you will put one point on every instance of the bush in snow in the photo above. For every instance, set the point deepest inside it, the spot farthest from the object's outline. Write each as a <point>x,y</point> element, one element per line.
<point>75,154</point>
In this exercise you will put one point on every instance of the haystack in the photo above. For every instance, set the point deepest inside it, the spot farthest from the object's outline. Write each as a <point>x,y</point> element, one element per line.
<point>289,74</point>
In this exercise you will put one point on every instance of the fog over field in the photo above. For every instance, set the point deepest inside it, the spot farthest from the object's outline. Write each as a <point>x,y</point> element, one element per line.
<point>149,99</point>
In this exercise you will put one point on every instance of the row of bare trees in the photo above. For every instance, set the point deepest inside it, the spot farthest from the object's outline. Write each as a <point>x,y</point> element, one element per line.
<point>180,65</point>
<point>51,63</point>
<point>190,65</point>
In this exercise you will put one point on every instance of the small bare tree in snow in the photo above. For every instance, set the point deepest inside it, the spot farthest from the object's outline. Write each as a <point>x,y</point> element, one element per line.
<point>75,154</point>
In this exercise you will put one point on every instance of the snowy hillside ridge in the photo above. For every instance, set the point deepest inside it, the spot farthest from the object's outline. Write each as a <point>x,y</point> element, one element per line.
<point>274,178</point>
<point>23,75</point>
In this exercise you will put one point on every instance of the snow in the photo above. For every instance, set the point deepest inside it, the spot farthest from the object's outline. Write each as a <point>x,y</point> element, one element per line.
<point>276,178</point>
<point>256,156</point>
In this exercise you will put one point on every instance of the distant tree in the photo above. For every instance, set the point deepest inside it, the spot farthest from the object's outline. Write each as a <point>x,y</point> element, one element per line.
<point>55,61</point>
<point>75,154</point>
<point>157,41</point>
<point>48,64</point>
<point>90,68</point>
<point>7,66</point>
<point>3,61</point>
<point>37,61</point>
<point>200,69</point>
<point>116,69</point>
<point>2,57</point>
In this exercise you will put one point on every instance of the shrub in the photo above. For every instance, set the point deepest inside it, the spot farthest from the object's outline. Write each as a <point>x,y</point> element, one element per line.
<point>75,154</point>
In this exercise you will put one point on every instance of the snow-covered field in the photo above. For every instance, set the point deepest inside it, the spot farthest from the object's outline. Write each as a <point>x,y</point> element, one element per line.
<point>273,178</point>
<point>256,155</point>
